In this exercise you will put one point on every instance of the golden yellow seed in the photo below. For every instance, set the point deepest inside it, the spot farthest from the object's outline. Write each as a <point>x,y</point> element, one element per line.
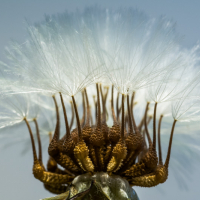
<point>48,177</point>
<point>118,155</point>
<point>81,153</point>
<point>100,152</point>
<point>93,155</point>
<point>160,175</point>
<point>66,162</point>
<point>108,152</point>
<point>147,164</point>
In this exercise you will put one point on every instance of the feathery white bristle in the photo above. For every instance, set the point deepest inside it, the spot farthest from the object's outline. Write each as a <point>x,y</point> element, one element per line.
<point>135,50</point>
<point>187,107</point>
<point>15,109</point>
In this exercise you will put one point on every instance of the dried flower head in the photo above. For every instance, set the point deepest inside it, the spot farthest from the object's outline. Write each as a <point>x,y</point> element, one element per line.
<point>110,148</point>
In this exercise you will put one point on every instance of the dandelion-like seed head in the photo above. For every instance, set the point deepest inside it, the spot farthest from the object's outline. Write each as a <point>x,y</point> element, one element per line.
<point>114,73</point>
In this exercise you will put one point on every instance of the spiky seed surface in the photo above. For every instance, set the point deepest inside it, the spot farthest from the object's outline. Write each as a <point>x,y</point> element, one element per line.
<point>97,138</point>
<point>105,131</point>
<point>93,155</point>
<point>66,162</point>
<point>74,135</point>
<point>81,153</point>
<point>48,177</point>
<point>86,133</point>
<point>53,148</point>
<point>146,165</point>
<point>114,133</point>
<point>68,147</point>
<point>134,141</point>
<point>150,180</point>
<point>118,155</point>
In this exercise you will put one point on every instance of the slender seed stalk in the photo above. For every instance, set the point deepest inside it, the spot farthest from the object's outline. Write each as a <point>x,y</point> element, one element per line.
<point>32,141</point>
<point>141,124</point>
<point>129,115</point>
<point>170,144</point>
<point>88,108</point>
<point>39,141</point>
<point>105,100</point>
<point>95,104</point>
<point>154,126</point>
<point>122,119</point>
<point>102,100</point>
<point>72,119</point>
<point>57,131</point>
<point>132,100</point>
<point>117,106</point>
<point>91,119</point>
<point>50,137</point>
<point>112,106</point>
<point>132,104</point>
<point>133,119</point>
<point>127,121</point>
<point>77,119</point>
<point>65,117</point>
<point>106,95</point>
<point>146,125</point>
<point>98,107</point>
<point>159,141</point>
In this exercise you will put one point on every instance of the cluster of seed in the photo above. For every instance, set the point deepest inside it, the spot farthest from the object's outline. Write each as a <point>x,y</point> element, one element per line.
<point>125,149</point>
